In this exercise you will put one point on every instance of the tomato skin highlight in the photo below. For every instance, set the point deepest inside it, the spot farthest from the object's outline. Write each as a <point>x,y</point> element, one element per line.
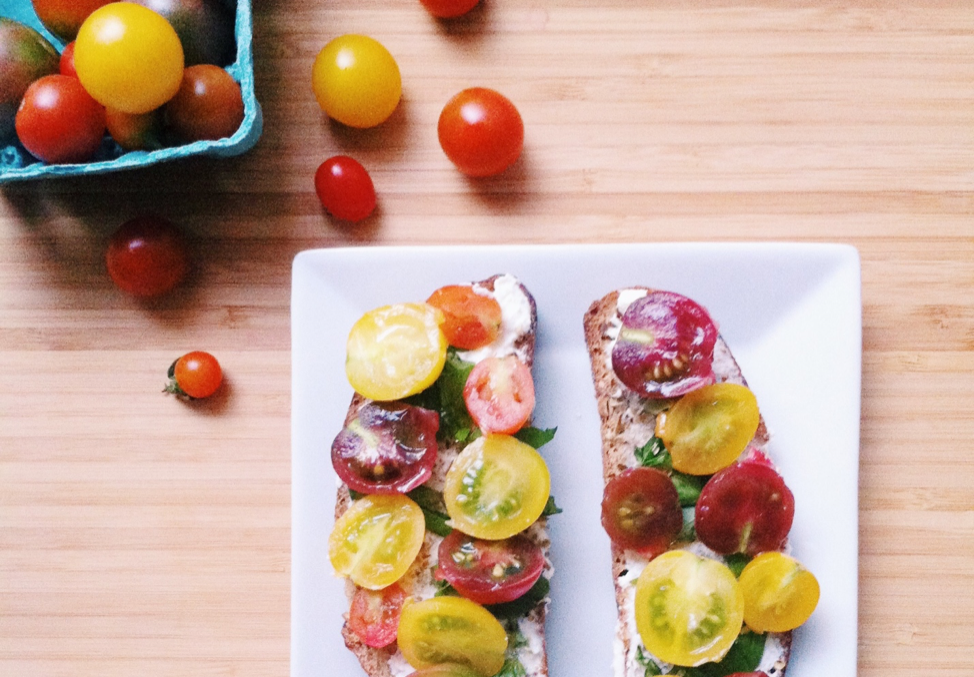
<point>472,320</point>
<point>499,394</point>
<point>197,374</point>
<point>147,256</point>
<point>641,510</point>
<point>345,188</point>
<point>356,81</point>
<point>373,615</point>
<point>481,132</point>
<point>59,122</point>
<point>490,572</point>
<point>207,106</point>
<point>448,9</point>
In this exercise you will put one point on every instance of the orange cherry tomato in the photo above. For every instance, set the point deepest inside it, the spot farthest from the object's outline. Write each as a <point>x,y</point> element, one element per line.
<point>208,105</point>
<point>448,9</point>
<point>499,394</point>
<point>481,131</point>
<point>196,374</point>
<point>374,614</point>
<point>472,320</point>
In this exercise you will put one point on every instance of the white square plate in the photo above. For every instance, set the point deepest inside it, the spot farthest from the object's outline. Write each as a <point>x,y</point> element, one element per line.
<point>791,314</point>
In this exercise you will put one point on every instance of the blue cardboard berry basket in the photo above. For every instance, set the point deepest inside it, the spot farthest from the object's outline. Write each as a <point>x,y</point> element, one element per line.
<point>16,164</point>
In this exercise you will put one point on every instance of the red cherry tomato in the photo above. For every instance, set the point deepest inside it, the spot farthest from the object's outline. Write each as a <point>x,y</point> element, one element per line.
<point>66,62</point>
<point>58,121</point>
<point>147,256</point>
<point>490,572</point>
<point>196,374</point>
<point>136,131</point>
<point>64,17</point>
<point>641,510</point>
<point>481,132</point>
<point>448,9</point>
<point>472,320</point>
<point>745,507</point>
<point>374,614</point>
<point>207,106</point>
<point>345,188</point>
<point>499,394</point>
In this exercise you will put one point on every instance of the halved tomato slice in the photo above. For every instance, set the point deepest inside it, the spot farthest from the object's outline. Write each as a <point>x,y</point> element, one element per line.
<point>499,394</point>
<point>374,614</point>
<point>472,320</point>
<point>779,593</point>
<point>641,510</point>
<point>446,670</point>
<point>496,487</point>
<point>490,572</point>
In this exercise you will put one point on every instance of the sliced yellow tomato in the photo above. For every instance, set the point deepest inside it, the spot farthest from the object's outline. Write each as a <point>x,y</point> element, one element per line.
<point>376,540</point>
<point>452,630</point>
<point>497,487</point>
<point>396,351</point>
<point>779,593</point>
<point>689,609</point>
<point>708,428</point>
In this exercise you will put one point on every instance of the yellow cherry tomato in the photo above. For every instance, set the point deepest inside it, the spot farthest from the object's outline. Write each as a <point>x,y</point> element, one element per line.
<point>451,630</point>
<point>356,81</point>
<point>376,540</point>
<point>396,351</point>
<point>689,609</point>
<point>497,486</point>
<point>779,593</point>
<point>708,428</point>
<point>128,57</point>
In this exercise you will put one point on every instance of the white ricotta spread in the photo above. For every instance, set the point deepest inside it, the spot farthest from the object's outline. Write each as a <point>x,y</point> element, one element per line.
<point>515,320</point>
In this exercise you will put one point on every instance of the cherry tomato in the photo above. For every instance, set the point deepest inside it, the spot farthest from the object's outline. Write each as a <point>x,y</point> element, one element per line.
<point>59,122</point>
<point>356,81</point>
<point>446,670</point>
<point>490,572</point>
<point>387,448</point>
<point>25,56</point>
<point>689,609</point>
<point>745,507</point>
<point>779,593</point>
<point>64,17</point>
<point>147,256</point>
<point>126,33</point>
<point>496,487</point>
<point>707,429</point>
<point>207,106</point>
<point>499,394</point>
<point>374,614</point>
<point>665,346</point>
<point>452,630</point>
<point>641,510</point>
<point>205,28</point>
<point>448,9</point>
<point>376,540</point>
<point>196,374</point>
<point>473,320</point>
<point>345,188</point>
<point>66,62</point>
<point>395,351</point>
<point>136,131</point>
<point>481,132</point>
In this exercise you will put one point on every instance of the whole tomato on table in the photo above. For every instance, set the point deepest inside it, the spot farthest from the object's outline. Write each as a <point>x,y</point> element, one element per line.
<point>481,131</point>
<point>147,256</point>
<point>345,188</point>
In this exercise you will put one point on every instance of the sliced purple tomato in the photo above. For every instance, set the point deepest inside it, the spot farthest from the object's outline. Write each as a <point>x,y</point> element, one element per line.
<point>665,346</point>
<point>388,448</point>
<point>746,508</point>
<point>641,510</point>
<point>490,572</point>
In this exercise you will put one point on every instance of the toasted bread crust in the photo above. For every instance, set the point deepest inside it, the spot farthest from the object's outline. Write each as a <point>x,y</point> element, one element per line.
<point>626,418</point>
<point>376,662</point>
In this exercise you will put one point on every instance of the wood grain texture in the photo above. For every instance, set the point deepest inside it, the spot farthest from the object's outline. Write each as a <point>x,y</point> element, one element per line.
<point>139,535</point>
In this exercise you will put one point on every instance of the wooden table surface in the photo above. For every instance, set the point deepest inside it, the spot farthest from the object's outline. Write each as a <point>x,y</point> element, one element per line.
<point>141,536</point>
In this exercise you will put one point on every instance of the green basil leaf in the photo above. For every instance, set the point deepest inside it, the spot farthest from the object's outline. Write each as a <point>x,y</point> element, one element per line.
<point>653,454</point>
<point>523,604</point>
<point>550,508</point>
<point>536,437</point>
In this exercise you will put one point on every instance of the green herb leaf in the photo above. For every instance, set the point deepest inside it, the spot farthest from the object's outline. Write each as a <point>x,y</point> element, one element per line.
<point>512,664</point>
<point>653,454</point>
<point>355,495</point>
<point>434,510</point>
<point>744,656</point>
<point>688,487</point>
<point>688,533</point>
<point>443,589</point>
<point>536,437</point>
<point>445,396</point>
<point>523,604</point>
<point>736,562</point>
<point>550,508</point>
<point>651,667</point>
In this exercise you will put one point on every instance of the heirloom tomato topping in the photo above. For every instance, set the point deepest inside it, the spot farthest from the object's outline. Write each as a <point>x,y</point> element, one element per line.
<point>446,670</point>
<point>496,487</point>
<point>665,346</point>
<point>707,429</point>
<point>472,320</point>
<point>779,593</point>
<point>396,351</point>
<point>374,614</point>
<point>689,609</point>
<point>641,510</point>
<point>499,394</point>
<point>746,508</point>
<point>376,540</point>
<point>389,447</point>
<point>490,572</point>
<point>452,630</point>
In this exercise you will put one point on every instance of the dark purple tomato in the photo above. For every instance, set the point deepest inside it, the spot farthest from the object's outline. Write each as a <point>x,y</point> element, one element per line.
<point>208,106</point>
<point>25,56</point>
<point>388,448</point>
<point>489,572</point>
<point>746,508</point>
<point>665,346</point>
<point>205,28</point>
<point>641,510</point>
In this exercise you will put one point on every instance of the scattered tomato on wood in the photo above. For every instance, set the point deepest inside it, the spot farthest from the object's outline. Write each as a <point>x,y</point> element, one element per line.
<point>147,256</point>
<point>448,9</point>
<point>481,131</point>
<point>345,188</point>
<point>196,375</point>
<point>356,81</point>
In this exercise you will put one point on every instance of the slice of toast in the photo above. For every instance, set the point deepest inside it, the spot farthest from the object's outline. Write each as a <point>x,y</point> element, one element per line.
<point>519,322</point>
<point>628,421</point>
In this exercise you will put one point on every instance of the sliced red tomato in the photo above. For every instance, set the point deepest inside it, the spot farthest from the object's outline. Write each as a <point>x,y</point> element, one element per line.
<point>374,614</point>
<point>472,320</point>
<point>490,572</point>
<point>499,394</point>
<point>641,510</point>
